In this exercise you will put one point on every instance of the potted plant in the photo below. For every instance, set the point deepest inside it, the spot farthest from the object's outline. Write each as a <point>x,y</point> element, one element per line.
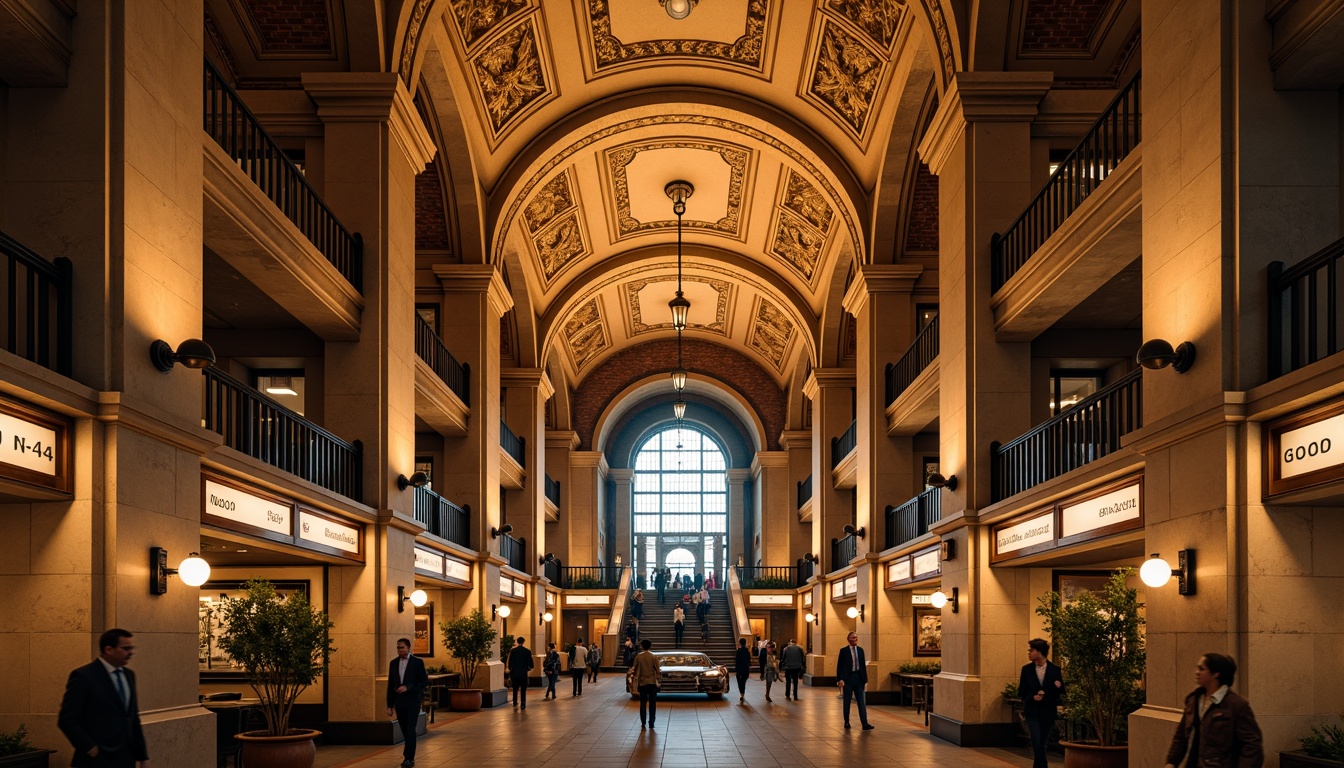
<point>16,752</point>
<point>471,640</point>
<point>1324,747</point>
<point>283,644</point>
<point>1098,640</point>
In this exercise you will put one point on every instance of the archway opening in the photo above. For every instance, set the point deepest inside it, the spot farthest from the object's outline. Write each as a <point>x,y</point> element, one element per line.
<point>680,505</point>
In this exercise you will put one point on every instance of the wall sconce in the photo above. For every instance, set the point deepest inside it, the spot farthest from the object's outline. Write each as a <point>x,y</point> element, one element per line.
<point>1157,354</point>
<point>858,532</point>
<point>939,599</point>
<point>936,480</point>
<point>495,533</point>
<point>678,9</point>
<point>948,550</point>
<point>545,618</point>
<point>810,558</point>
<point>548,558</point>
<point>418,598</point>
<point>416,480</point>
<point>500,611</point>
<point>192,353</point>
<point>809,617</point>
<point>193,571</point>
<point>855,613</point>
<point>1156,572</point>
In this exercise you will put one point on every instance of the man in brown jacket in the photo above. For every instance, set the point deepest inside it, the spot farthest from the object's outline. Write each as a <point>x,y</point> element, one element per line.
<point>645,677</point>
<point>1217,727</point>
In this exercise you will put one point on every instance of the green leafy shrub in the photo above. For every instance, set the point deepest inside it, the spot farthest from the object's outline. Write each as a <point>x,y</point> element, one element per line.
<point>1325,742</point>
<point>469,639</point>
<point>14,742</point>
<point>769,582</point>
<point>586,582</point>
<point>1010,691</point>
<point>921,667</point>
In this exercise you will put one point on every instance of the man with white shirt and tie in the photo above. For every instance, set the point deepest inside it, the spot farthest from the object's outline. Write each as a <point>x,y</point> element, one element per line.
<point>100,714</point>
<point>851,674</point>
<point>406,681</point>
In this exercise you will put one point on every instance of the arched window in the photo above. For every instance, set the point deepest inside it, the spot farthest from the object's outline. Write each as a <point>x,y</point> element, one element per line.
<point>680,503</point>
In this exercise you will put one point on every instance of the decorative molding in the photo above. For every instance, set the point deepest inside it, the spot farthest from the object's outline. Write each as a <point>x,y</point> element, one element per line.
<point>879,19</point>
<point>934,10</point>
<point>474,20</point>
<point>846,73</point>
<point>408,45</point>
<point>561,244</point>
<point>637,325</point>
<point>736,157</point>
<point>510,76</point>
<point>771,333</point>
<point>747,51</point>
<point>586,333</point>
<point>550,201</point>
<point>800,197</point>
<point>796,244</point>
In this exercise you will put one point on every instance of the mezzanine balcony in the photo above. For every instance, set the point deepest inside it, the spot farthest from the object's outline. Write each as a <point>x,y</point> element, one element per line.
<point>442,384</point>
<point>912,384</point>
<point>1304,315</point>
<point>37,322</point>
<point>442,517</point>
<point>913,519</point>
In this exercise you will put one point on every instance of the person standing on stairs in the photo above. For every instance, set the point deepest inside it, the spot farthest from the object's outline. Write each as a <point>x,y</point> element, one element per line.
<point>678,624</point>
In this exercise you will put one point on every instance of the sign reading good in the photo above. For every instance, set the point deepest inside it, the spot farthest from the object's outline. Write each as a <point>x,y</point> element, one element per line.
<point>239,506</point>
<point>1305,449</point>
<point>1119,506</point>
<point>430,562</point>
<point>316,529</point>
<point>1028,533</point>
<point>34,447</point>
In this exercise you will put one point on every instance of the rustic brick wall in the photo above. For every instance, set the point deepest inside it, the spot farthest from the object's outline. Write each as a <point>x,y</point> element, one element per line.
<point>921,232</point>
<point>431,222</point>
<point>703,359</point>
<point>293,26</point>
<point>1061,25</point>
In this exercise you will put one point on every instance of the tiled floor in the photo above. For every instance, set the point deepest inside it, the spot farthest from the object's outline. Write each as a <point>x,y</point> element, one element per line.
<point>601,730</point>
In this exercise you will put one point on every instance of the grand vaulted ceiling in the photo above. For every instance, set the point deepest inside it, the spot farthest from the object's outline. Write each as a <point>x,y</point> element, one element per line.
<point>560,122</point>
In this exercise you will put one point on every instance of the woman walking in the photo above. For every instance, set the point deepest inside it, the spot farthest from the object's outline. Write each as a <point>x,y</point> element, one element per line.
<point>678,623</point>
<point>637,605</point>
<point>550,667</point>
<point>771,668</point>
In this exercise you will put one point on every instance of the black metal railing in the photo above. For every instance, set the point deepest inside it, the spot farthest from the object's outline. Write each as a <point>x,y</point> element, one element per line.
<point>442,517</point>
<point>258,426</point>
<point>1106,144</point>
<point>806,570</point>
<point>552,491</point>
<point>1084,433</point>
<point>512,444</point>
<point>590,576</point>
<point>430,348</point>
<point>552,569</point>
<point>842,446</point>
<point>38,319</point>
<point>514,550</point>
<point>843,550</point>
<point>912,519</point>
<point>240,134</point>
<point>922,351</point>
<point>804,491</point>
<point>1304,316</point>
<point>767,576</point>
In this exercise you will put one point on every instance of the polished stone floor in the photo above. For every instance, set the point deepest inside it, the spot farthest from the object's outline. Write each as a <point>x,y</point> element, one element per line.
<point>601,730</point>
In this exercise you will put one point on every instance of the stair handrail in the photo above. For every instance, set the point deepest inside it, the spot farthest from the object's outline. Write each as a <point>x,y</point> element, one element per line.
<point>737,607</point>
<point>611,641</point>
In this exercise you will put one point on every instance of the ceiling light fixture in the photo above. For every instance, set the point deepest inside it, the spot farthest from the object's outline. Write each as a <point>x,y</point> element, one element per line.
<point>679,192</point>
<point>678,9</point>
<point>281,385</point>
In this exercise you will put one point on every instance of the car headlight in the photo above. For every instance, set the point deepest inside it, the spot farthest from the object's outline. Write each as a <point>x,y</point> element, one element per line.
<point>713,673</point>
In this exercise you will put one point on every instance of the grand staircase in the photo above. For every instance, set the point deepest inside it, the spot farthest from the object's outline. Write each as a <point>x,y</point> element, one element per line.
<point>656,626</point>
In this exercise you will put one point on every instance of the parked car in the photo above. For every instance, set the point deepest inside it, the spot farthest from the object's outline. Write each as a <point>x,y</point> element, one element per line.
<point>686,672</point>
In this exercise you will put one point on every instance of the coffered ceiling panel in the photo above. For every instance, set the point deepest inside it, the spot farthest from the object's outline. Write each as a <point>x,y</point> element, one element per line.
<point>717,171</point>
<point>718,33</point>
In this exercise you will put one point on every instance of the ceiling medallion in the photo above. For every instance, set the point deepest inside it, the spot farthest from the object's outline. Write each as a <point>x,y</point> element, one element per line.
<point>678,9</point>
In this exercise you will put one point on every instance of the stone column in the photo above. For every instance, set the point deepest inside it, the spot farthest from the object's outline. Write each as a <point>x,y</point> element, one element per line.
<point>775,516</point>
<point>587,498</point>
<point>797,443</point>
<point>979,145</point>
<point>560,446</point>
<point>832,394</point>
<point>624,479</point>
<point>527,390</point>
<point>737,509</point>
<point>880,301</point>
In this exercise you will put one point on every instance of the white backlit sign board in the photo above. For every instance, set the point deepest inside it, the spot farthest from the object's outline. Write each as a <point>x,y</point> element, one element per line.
<point>429,561</point>
<point>320,530</point>
<point>242,507</point>
<point>27,445</point>
<point>1118,506</point>
<point>1028,533</point>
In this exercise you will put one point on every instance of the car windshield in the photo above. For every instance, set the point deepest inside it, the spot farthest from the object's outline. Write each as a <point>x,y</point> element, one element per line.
<point>684,660</point>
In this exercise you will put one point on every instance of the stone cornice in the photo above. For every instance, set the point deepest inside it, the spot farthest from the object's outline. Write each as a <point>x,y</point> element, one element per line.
<point>796,439</point>
<point>1219,410</point>
<point>589,460</point>
<point>769,460</point>
<point>360,97</point>
<point>140,416</point>
<point>528,377</point>
<point>827,377</point>
<point>622,475</point>
<point>396,520</point>
<point>565,439</point>
<point>475,279</point>
<point>738,475</point>
<point>981,97</point>
<point>879,278</point>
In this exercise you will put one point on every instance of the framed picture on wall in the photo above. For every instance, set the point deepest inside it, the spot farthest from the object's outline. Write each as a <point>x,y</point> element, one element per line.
<point>210,613</point>
<point>1070,584</point>
<point>928,631</point>
<point>422,642</point>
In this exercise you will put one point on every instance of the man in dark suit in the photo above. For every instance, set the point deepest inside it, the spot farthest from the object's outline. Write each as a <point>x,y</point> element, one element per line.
<point>851,674</point>
<point>406,681</point>
<point>1040,687</point>
<point>100,713</point>
<point>520,665</point>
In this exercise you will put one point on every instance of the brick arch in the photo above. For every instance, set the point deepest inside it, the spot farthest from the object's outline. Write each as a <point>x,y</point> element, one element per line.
<point>711,361</point>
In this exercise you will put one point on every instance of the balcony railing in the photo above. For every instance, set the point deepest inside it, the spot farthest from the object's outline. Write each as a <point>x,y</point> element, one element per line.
<point>240,134</point>
<point>804,491</point>
<point>806,570</point>
<point>1304,316</point>
<point>512,444</point>
<point>258,426</point>
<point>552,569</point>
<point>921,352</point>
<point>1110,140</point>
<point>552,491</point>
<point>38,318</point>
<point>842,446</point>
<point>843,550</point>
<point>912,519</point>
<point>457,376</point>
<point>1084,433</point>
<point>442,517</point>
<point>515,551</point>
<point>768,576</point>
<point>590,576</point>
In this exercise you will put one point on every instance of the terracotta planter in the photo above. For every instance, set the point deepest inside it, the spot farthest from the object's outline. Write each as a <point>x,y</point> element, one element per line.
<point>1079,755</point>
<point>36,758</point>
<point>1300,759</point>
<point>464,699</point>
<point>293,750</point>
